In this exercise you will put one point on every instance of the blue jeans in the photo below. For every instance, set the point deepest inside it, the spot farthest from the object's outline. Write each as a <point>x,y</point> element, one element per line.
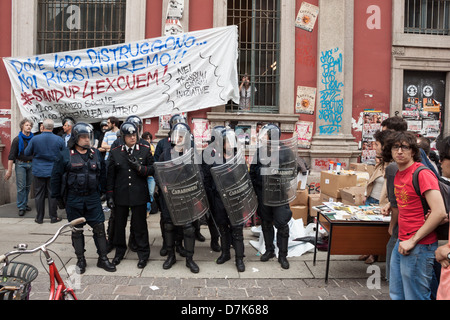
<point>371,201</point>
<point>411,276</point>
<point>151,190</point>
<point>24,177</point>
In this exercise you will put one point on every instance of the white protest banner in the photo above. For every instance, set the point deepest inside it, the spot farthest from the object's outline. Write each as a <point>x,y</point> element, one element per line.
<point>147,78</point>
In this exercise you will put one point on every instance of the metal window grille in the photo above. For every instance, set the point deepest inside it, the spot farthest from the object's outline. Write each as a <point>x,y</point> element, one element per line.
<point>427,17</point>
<point>72,25</point>
<point>258,23</point>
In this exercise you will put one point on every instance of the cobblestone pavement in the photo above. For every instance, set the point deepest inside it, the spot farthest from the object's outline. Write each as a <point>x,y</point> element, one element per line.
<point>349,279</point>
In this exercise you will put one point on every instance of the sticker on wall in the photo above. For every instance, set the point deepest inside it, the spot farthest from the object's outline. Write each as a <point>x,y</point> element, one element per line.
<point>411,90</point>
<point>307,16</point>
<point>306,100</point>
<point>427,91</point>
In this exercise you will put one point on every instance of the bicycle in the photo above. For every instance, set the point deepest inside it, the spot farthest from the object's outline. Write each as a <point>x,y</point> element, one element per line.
<point>16,277</point>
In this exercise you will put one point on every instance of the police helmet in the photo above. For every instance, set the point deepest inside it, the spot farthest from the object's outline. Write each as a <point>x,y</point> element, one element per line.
<point>128,128</point>
<point>229,140</point>
<point>176,118</point>
<point>269,131</point>
<point>137,122</point>
<point>216,132</point>
<point>82,129</point>
<point>181,135</point>
<point>103,123</point>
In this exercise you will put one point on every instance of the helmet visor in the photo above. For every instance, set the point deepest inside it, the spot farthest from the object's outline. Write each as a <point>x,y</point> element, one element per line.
<point>181,138</point>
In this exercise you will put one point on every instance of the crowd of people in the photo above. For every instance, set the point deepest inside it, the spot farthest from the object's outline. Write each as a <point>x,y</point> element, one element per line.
<point>78,171</point>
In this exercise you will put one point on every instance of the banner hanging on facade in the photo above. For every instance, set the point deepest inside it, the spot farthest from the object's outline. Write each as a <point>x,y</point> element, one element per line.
<point>147,78</point>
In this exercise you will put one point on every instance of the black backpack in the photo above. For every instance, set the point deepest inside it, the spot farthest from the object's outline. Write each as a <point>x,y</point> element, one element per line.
<point>442,229</point>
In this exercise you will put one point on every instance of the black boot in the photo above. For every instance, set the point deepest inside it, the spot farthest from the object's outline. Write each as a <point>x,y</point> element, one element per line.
<point>99,235</point>
<point>215,246</point>
<point>282,243</point>
<point>78,245</point>
<point>169,235</point>
<point>237,234</point>
<point>110,230</point>
<point>198,235</point>
<point>224,245</point>
<point>268,234</point>
<point>163,251</point>
<point>189,244</point>
<point>179,241</point>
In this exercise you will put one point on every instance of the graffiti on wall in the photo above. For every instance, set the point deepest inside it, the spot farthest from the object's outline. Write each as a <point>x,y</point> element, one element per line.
<point>331,99</point>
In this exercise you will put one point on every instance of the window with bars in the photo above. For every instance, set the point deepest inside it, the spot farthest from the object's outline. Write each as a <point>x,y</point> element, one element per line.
<point>78,24</point>
<point>427,17</point>
<point>258,23</point>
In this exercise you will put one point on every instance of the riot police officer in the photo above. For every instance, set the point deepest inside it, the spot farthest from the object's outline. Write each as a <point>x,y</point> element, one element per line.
<point>228,175</point>
<point>162,145</point>
<point>126,188</point>
<point>272,215</point>
<point>182,214</point>
<point>77,176</point>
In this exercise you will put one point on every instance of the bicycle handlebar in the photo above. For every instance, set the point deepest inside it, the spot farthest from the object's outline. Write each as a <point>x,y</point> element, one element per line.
<point>72,224</point>
<point>78,221</point>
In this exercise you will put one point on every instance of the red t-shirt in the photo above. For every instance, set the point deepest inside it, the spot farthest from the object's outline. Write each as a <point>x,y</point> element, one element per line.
<point>411,215</point>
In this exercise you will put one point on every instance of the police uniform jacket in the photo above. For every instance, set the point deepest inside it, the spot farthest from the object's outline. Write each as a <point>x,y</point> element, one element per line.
<point>126,185</point>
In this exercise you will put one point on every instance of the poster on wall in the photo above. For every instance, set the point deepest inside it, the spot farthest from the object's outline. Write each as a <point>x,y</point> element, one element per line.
<point>164,120</point>
<point>306,100</point>
<point>304,130</point>
<point>371,124</point>
<point>201,133</point>
<point>307,16</point>
<point>174,14</point>
<point>422,110</point>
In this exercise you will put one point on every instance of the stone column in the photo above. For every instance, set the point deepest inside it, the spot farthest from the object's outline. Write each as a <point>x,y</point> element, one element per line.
<point>333,139</point>
<point>3,196</point>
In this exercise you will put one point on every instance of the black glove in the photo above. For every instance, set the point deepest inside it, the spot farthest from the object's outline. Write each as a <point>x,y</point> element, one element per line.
<point>134,163</point>
<point>60,203</point>
<point>110,203</point>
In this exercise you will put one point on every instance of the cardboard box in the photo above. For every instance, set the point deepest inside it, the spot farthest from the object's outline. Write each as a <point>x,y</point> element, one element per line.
<point>313,200</point>
<point>331,183</point>
<point>301,199</point>
<point>362,178</point>
<point>327,198</point>
<point>300,212</point>
<point>353,196</point>
<point>362,167</point>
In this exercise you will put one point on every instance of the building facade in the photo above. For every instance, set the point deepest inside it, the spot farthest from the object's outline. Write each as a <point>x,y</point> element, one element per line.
<point>318,71</point>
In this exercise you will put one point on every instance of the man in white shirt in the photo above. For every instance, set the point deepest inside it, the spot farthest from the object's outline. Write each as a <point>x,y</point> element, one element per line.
<point>68,123</point>
<point>110,135</point>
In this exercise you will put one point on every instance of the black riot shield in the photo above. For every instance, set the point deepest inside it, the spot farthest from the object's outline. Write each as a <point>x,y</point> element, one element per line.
<point>181,184</point>
<point>279,172</point>
<point>235,188</point>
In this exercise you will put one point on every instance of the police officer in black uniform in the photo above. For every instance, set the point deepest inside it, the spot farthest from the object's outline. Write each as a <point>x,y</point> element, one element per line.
<point>180,143</point>
<point>137,121</point>
<point>161,146</point>
<point>278,216</point>
<point>126,188</point>
<point>77,178</point>
<point>229,234</point>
